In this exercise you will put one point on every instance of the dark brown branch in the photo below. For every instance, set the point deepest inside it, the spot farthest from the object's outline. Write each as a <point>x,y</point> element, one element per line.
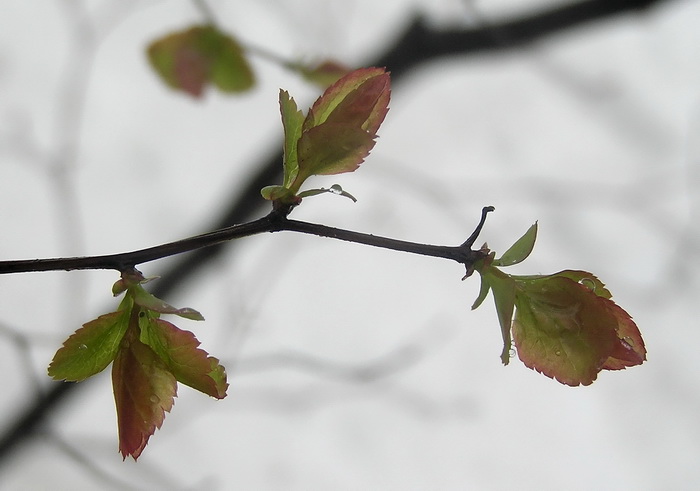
<point>274,222</point>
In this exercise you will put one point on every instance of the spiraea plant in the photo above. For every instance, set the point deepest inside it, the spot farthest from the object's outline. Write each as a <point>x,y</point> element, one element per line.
<point>564,325</point>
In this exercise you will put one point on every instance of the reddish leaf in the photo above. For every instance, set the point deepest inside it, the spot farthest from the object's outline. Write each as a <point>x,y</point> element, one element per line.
<point>179,351</point>
<point>629,351</point>
<point>374,95</point>
<point>565,331</point>
<point>144,389</point>
<point>365,107</point>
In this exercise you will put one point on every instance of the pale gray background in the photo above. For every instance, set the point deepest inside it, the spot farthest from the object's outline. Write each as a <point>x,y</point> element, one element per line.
<point>594,133</point>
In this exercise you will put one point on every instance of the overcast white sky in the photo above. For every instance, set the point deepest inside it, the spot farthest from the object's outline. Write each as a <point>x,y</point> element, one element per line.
<point>593,133</point>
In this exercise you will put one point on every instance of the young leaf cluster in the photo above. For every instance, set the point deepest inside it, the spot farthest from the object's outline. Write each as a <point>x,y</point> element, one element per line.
<point>334,137</point>
<point>148,355</point>
<point>565,326</point>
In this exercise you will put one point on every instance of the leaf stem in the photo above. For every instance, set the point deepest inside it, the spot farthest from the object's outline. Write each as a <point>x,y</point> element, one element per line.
<point>276,221</point>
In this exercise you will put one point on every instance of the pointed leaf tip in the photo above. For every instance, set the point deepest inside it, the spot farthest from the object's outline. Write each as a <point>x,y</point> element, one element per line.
<point>519,251</point>
<point>144,390</point>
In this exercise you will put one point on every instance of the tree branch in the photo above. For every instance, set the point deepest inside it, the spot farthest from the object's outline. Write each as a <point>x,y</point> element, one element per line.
<point>276,221</point>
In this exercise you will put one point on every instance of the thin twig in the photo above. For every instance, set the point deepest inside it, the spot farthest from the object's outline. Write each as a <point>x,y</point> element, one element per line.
<point>276,221</point>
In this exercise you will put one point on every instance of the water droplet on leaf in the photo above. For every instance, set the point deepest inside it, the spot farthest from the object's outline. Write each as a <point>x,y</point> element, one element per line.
<point>154,399</point>
<point>82,347</point>
<point>588,283</point>
<point>557,352</point>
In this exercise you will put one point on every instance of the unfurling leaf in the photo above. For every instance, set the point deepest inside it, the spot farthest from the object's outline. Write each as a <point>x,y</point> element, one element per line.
<point>189,60</point>
<point>566,326</point>
<point>148,355</point>
<point>336,135</point>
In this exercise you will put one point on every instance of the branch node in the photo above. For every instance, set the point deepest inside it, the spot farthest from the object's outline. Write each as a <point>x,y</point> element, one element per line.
<point>475,234</point>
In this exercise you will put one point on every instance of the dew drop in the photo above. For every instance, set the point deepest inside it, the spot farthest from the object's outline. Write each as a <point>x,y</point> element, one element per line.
<point>154,399</point>
<point>557,352</point>
<point>588,283</point>
<point>626,342</point>
<point>336,189</point>
<point>82,347</point>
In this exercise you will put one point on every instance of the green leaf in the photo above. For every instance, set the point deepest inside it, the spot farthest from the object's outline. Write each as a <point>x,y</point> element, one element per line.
<point>188,60</point>
<point>230,71</point>
<point>503,288</point>
<point>519,251</point>
<point>292,121</point>
<point>179,351</point>
<point>144,389</point>
<point>331,149</point>
<point>91,348</point>
<point>279,193</point>
<point>483,292</point>
<point>149,301</point>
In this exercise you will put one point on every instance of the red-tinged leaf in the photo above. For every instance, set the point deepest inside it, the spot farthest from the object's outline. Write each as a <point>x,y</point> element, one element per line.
<point>331,148</point>
<point>144,389</point>
<point>629,351</point>
<point>366,106</point>
<point>519,251</point>
<point>151,302</point>
<point>179,351</point>
<point>188,60</point>
<point>91,348</point>
<point>562,329</point>
<point>336,93</point>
